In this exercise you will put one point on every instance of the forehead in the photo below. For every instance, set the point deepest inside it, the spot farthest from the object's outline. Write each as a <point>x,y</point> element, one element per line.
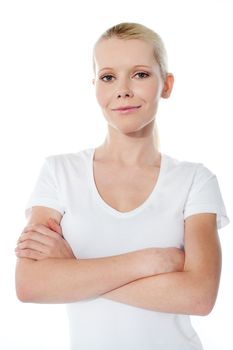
<point>116,52</point>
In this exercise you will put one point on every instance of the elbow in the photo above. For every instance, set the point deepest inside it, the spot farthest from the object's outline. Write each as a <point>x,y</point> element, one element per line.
<point>204,309</point>
<point>24,285</point>
<point>22,296</point>
<point>24,291</point>
<point>203,305</point>
<point>202,296</point>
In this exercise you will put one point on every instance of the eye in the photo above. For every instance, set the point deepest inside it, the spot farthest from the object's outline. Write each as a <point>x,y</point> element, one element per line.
<point>106,76</point>
<point>142,74</point>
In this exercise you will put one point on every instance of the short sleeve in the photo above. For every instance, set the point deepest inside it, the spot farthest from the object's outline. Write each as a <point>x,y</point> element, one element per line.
<point>205,196</point>
<point>46,191</point>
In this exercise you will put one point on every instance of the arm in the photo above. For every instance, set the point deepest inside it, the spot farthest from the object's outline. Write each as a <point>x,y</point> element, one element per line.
<point>57,280</point>
<point>192,291</point>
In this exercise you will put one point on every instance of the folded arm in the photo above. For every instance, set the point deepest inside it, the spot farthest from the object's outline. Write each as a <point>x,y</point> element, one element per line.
<point>192,291</point>
<point>60,280</point>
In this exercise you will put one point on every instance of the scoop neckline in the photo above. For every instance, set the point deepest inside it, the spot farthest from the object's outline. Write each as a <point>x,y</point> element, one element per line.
<point>135,210</point>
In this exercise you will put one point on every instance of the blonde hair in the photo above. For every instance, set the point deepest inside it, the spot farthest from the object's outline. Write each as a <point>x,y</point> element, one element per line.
<point>131,30</point>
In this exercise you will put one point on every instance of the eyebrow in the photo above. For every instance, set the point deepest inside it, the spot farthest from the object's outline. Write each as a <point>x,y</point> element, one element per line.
<point>138,65</point>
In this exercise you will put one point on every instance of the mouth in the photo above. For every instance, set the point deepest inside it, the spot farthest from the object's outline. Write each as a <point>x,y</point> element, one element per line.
<point>126,108</point>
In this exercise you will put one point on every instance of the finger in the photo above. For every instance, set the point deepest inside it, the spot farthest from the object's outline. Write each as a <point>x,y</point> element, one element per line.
<point>30,254</point>
<point>30,227</point>
<point>35,227</point>
<point>40,229</point>
<point>20,236</point>
<point>38,237</point>
<point>54,226</point>
<point>30,244</point>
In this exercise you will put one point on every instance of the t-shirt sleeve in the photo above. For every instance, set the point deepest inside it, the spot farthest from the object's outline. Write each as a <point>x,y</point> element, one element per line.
<point>205,196</point>
<point>46,191</point>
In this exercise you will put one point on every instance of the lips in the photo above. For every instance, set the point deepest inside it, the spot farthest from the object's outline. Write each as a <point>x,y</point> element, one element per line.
<point>124,108</point>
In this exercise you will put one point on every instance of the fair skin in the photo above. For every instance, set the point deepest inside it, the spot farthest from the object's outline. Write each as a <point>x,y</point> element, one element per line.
<point>131,79</point>
<point>56,276</point>
<point>163,280</point>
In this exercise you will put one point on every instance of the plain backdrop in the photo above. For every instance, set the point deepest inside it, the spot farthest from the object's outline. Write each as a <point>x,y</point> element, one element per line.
<point>48,106</point>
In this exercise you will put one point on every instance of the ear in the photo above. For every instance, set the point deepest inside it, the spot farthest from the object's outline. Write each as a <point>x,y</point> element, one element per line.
<point>93,81</point>
<point>168,85</point>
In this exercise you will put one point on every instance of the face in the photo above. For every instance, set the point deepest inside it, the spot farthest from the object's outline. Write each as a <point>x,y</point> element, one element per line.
<point>127,75</point>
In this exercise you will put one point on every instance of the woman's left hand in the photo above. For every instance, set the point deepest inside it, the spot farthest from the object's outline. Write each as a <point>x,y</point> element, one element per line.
<point>41,242</point>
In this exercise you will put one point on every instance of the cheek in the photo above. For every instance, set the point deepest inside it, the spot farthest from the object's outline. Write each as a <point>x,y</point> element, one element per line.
<point>102,95</point>
<point>148,92</point>
<point>153,93</point>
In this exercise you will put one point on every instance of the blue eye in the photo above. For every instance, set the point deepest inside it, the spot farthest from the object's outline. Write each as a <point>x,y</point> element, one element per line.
<point>142,73</point>
<point>108,75</point>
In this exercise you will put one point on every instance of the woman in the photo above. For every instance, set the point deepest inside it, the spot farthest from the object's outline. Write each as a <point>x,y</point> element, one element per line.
<point>124,234</point>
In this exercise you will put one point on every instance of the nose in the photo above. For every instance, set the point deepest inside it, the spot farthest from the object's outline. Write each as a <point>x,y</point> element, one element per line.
<point>124,90</point>
<point>124,93</point>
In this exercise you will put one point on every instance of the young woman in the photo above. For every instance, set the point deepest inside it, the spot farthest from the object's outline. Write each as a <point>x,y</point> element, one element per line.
<point>127,236</point>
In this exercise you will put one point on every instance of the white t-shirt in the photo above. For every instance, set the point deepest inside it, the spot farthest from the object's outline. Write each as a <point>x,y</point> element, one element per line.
<point>95,229</point>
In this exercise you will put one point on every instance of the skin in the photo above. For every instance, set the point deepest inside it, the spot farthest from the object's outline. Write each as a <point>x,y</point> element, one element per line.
<point>47,272</point>
<point>43,244</point>
<point>191,285</point>
<point>130,139</point>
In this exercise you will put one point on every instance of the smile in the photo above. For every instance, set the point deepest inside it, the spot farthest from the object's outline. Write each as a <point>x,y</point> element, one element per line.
<point>128,109</point>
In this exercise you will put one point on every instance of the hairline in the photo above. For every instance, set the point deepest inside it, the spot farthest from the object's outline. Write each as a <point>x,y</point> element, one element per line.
<point>127,37</point>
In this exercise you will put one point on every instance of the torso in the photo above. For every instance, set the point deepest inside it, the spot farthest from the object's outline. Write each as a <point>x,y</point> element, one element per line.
<point>94,231</point>
<point>124,188</point>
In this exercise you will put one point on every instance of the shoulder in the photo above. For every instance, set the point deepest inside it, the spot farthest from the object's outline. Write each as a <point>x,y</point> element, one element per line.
<point>67,167</point>
<point>195,171</point>
<point>65,159</point>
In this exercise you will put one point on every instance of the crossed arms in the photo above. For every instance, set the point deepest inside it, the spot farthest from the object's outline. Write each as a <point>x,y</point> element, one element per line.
<point>165,280</point>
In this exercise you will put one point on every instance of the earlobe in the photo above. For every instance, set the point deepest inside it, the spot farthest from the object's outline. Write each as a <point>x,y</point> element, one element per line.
<point>165,93</point>
<point>168,84</point>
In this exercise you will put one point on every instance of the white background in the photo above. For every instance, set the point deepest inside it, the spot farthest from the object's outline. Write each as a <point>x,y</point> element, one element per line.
<point>48,107</point>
